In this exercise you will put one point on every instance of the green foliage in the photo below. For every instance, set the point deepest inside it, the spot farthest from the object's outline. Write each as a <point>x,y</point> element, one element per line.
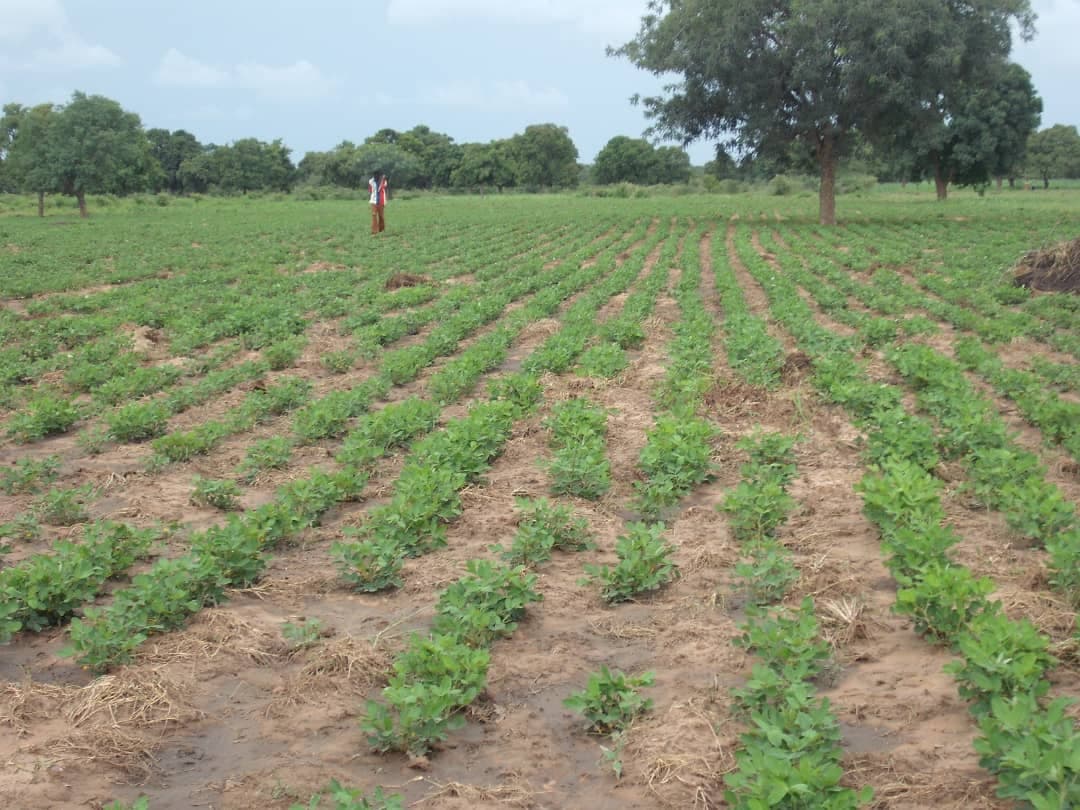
<point>944,600</point>
<point>217,493</point>
<point>628,333</point>
<point>785,642</point>
<point>304,634</point>
<point>584,473</point>
<point>328,418</point>
<point>1054,153</point>
<point>338,362</point>
<point>141,803</point>
<point>138,421</point>
<point>644,564</point>
<point>756,509</point>
<point>433,680</point>
<point>92,440</point>
<point>45,415</point>
<point>1034,751</point>
<point>522,390</point>
<point>603,360</point>
<point>343,798</point>
<point>284,353</point>
<point>1000,658</point>
<point>63,507</point>
<point>265,454</point>
<point>768,572</point>
<point>29,475</point>
<point>46,589</point>
<point>24,527</point>
<point>611,700</point>
<point>677,457</point>
<point>95,146</point>
<point>772,456</point>
<point>542,527</point>
<point>486,604</point>
<point>393,426</point>
<point>415,519</point>
<point>371,565</point>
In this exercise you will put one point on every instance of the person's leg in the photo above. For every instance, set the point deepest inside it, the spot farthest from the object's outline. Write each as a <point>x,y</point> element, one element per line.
<point>382,218</point>
<point>374,219</point>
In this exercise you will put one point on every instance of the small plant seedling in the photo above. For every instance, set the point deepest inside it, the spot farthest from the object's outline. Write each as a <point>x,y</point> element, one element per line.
<point>610,700</point>
<point>644,564</point>
<point>343,798</point>
<point>266,454</point>
<point>613,755</point>
<point>338,362</point>
<point>28,476</point>
<point>141,803</point>
<point>92,441</point>
<point>767,571</point>
<point>304,634</point>
<point>370,565</point>
<point>219,494</point>
<point>24,528</point>
<point>63,507</point>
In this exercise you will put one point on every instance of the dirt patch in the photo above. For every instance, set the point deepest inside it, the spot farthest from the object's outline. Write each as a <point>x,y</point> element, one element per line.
<point>322,267</point>
<point>1052,269</point>
<point>144,339</point>
<point>399,280</point>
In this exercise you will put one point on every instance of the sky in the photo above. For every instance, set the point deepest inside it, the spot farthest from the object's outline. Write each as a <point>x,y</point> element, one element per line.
<point>318,72</point>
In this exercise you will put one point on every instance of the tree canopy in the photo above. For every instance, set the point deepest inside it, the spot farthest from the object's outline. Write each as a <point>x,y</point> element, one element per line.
<point>95,146</point>
<point>1054,152</point>
<point>635,160</point>
<point>770,76</point>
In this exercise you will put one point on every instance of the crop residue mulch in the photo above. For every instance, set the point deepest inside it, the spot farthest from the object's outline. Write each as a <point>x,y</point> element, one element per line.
<point>1052,269</point>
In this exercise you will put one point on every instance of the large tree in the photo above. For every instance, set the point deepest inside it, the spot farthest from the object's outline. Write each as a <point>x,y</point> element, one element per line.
<point>625,159</point>
<point>437,153</point>
<point>545,157</point>
<point>973,133</point>
<point>26,132</point>
<point>1054,152</point>
<point>247,165</point>
<point>772,75</point>
<point>484,165</point>
<point>170,149</point>
<point>95,146</point>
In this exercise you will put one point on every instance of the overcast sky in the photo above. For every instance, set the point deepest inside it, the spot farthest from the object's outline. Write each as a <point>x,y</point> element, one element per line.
<point>318,72</point>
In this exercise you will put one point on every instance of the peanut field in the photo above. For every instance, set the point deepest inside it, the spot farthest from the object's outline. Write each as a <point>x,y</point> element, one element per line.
<point>539,502</point>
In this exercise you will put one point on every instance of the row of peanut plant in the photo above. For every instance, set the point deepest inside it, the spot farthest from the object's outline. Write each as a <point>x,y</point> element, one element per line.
<point>1002,475</point>
<point>233,555</point>
<point>1029,743</point>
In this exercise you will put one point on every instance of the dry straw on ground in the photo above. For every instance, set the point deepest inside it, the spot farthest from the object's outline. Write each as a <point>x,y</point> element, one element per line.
<point>1052,269</point>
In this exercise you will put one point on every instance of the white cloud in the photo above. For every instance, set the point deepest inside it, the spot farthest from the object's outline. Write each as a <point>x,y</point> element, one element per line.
<point>298,80</point>
<point>178,70</point>
<point>494,95</point>
<point>618,19</point>
<point>40,36</point>
<point>70,54</point>
<point>21,18</point>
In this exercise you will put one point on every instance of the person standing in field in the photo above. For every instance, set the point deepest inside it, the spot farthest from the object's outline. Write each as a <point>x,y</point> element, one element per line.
<point>377,185</point>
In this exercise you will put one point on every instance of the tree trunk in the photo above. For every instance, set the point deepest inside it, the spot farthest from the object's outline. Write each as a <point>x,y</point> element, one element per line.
<point>1012,182</point>
<point>81,197</point>
<point>1046,181</point>
<point>940,182</point>
<point>827,192</point>
<point>41,203</point>
<point>999,184</point>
